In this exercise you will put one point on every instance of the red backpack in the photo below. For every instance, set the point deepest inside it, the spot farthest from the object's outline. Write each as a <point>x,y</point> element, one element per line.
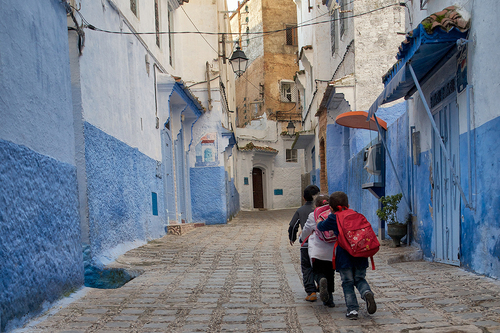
<point>356,234</point>
<point>321,214</point>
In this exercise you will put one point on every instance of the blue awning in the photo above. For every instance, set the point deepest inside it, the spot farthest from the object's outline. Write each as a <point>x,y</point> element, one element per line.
<point>424,51</point>
<point>229,135</point>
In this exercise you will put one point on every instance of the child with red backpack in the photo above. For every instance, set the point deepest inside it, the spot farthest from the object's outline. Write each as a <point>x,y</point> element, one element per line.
<point>352,269</point>
<point>321,247</point>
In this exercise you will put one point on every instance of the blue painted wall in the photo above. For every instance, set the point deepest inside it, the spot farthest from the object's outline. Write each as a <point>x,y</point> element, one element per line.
<point>424,229</point>
<point>208,195</point>
<point>397,139</point>
<point>120,180</point>
<point>345,150</point>
<point>480,237</point>
<point>360,199</point>
<point>337,155</point>
<point>40,251</point>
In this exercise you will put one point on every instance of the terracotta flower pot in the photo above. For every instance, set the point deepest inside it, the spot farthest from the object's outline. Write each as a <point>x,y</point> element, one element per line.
<point>396,231</point>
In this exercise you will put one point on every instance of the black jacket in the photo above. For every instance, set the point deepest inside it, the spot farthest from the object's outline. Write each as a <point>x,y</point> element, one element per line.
<point>299,218</point>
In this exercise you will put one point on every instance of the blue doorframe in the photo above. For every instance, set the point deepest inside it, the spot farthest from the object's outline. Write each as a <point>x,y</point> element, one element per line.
<point>179,178</point>
<point>168,175</point>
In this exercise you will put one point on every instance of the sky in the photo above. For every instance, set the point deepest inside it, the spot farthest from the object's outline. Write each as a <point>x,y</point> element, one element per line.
<point>232,4</point>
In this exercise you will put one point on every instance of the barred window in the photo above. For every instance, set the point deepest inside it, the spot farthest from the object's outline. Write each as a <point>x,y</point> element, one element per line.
<point>288,94</point>
<point>291,35</point>
<point>291,155</point>
<point>133,6</point>
<point>332,31</point>
<point>157,23</point>
<point>342,17</point>
<point>170,36</point>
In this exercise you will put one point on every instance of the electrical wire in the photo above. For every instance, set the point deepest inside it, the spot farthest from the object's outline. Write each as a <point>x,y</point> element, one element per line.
<point>92,27</point>
<point>88,25</point>
<point>199,31</point>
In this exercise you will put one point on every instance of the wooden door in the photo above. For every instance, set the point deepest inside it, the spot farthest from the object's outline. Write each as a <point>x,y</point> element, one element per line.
<point>258,190</point>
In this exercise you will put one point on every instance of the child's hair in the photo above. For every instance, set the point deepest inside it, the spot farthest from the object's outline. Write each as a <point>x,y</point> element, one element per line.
<point>338,200</point>
<point>310,191</point>
<point>321,200</point>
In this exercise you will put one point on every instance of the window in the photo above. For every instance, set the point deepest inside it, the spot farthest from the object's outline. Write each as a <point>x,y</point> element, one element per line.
<point>342,17</point>
<point>291,35</point>
<point>291,155</point>
<point>133,6</point>
<point>333,23</point>
<point>287,91</point>
<point>170,36</point>
<point>157,23</point>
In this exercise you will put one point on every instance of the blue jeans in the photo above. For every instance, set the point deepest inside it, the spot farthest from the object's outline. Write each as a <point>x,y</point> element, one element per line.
<point>353,277</point>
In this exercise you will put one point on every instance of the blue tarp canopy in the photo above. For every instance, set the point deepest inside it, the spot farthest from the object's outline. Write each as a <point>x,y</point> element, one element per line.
<point>423,51</point>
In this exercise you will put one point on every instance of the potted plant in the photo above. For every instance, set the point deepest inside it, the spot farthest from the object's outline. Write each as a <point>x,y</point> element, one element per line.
<point>395,229</point>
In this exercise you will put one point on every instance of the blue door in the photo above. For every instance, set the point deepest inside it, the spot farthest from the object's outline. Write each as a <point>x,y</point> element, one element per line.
<point>446,196</point>
<point>168,175</point>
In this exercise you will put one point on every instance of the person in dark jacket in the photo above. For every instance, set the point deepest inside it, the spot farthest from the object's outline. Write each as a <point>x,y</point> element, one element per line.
<point>352,269</point>
<point>299,219</point>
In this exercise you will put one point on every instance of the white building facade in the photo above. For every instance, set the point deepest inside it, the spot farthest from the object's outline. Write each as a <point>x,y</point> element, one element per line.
<point>268,169</point>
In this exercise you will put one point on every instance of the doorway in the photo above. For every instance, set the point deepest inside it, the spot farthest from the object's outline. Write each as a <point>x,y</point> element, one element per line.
<point>168,174</point>
<point>258,188</point>
<point>446,196</point>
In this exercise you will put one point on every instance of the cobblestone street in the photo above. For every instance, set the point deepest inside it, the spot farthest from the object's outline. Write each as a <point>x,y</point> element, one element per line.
<point>245,277</point>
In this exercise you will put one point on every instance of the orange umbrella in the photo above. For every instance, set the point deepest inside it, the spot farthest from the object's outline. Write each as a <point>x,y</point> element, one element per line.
<point>357,119</point>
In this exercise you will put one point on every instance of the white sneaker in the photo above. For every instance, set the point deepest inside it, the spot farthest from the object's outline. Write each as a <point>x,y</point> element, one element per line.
<point>353,315</point>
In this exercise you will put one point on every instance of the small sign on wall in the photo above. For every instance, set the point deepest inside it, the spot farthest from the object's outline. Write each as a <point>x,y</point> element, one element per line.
<point>154,198</point>
<point>278,191</point>
<point>245,180</point>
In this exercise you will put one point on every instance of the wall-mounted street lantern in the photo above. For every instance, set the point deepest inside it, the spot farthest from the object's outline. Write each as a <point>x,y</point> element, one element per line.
<point>290,128</point>
<point>239,61</point>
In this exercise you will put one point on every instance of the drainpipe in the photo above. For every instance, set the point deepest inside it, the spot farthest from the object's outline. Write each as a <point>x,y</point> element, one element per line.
<point>469,150</point>
<point>411,183</point>
<point>392,164</point>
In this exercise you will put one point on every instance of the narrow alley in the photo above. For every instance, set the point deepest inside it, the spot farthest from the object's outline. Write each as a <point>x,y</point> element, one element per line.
<point>245,277</point>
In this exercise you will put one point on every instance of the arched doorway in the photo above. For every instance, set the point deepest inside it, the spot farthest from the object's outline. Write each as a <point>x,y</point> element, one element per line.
<point>258,189</point>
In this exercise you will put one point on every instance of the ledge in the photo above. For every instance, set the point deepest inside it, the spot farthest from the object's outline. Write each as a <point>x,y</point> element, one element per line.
<point>400,254</point>
<point>181,229</point>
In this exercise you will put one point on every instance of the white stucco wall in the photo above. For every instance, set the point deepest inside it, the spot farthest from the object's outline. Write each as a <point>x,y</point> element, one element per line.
<point>251,44</point>
<point>36,83</point>
<point>278,174</point>
<point>194,50</point>
<point>482,73</point>
<point>376,43</point>
<point>118,93</point>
